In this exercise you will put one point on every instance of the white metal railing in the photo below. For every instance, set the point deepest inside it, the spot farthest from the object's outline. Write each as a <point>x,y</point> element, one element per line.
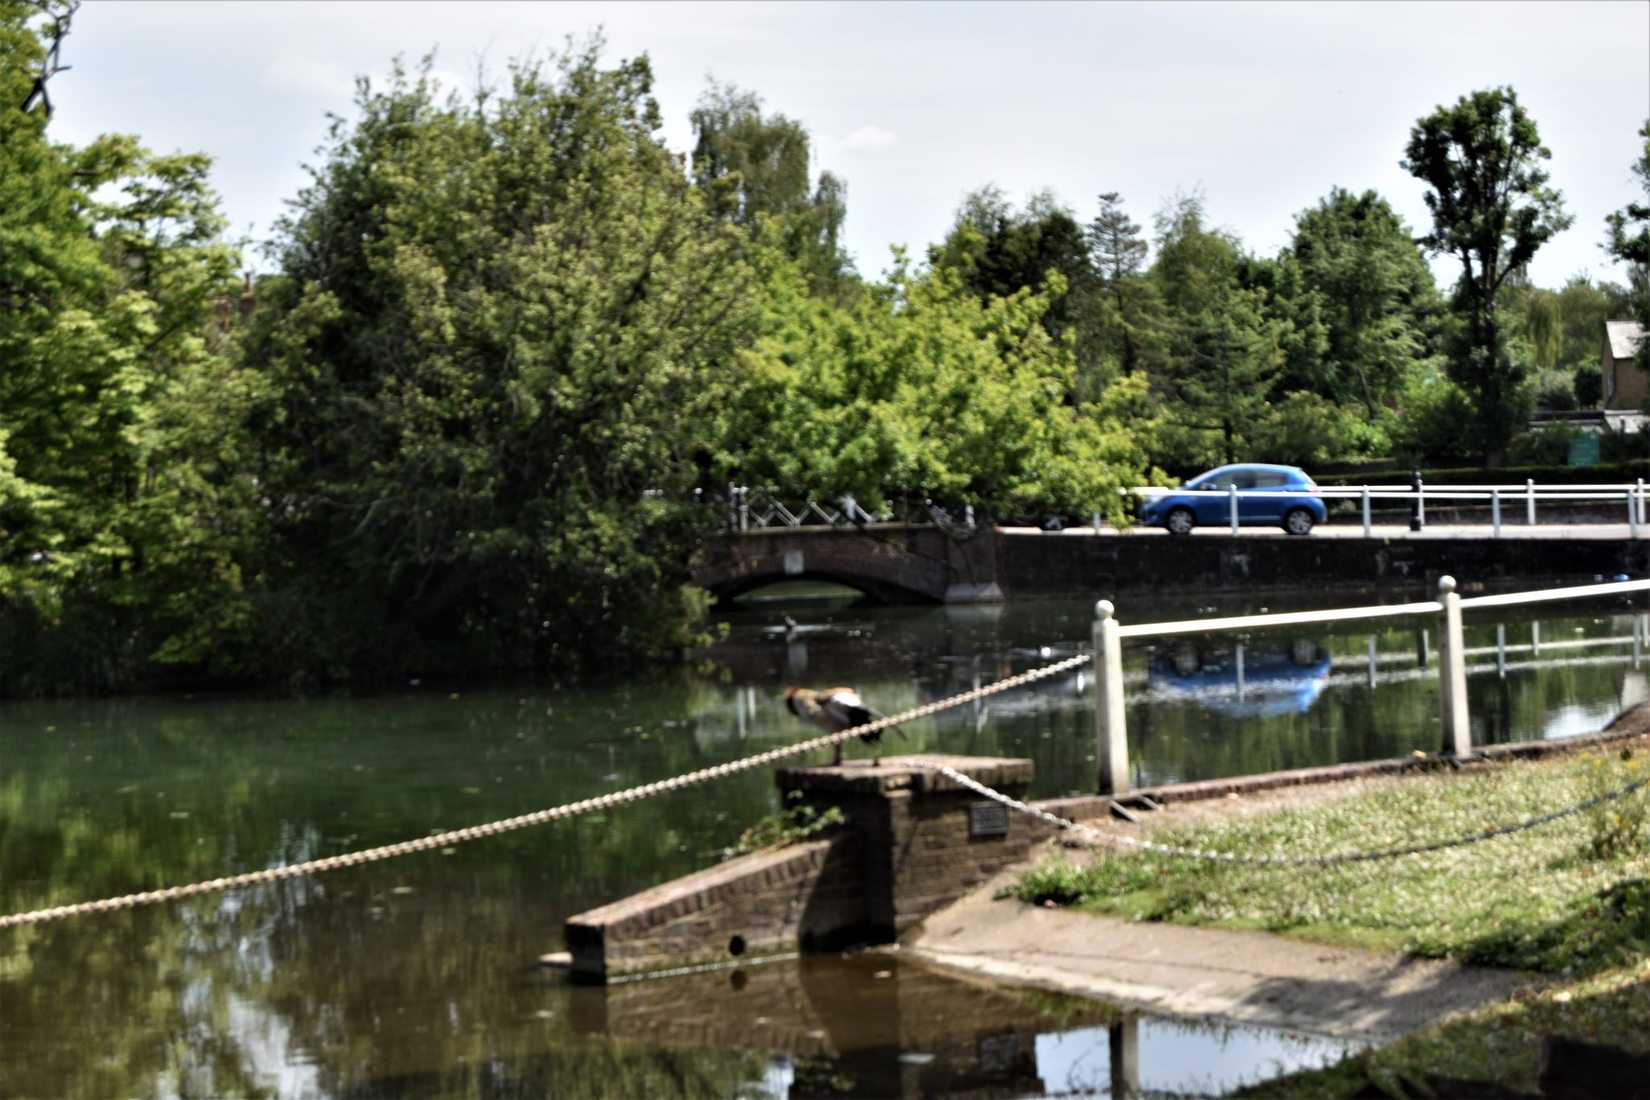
<point>752,509</point>
<point>1111,732</point>
<point>1630,497</point>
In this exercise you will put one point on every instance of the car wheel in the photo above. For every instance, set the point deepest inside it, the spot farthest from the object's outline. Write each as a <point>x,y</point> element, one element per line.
<point>1297,521</point>
<point>1180,521</point>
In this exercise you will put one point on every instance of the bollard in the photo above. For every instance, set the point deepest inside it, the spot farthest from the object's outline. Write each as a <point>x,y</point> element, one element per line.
<point>1495,511</point>
<point>1418,506</point>
<point>1529,502</point>
<point>1111,738</point>
<point>1231,494</point>
<point>1632,516</point>
<point>1366,511</point>
<point>1452,672</point>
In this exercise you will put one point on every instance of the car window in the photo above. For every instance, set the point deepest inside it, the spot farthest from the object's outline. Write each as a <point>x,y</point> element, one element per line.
<point>1226,479</point>
<point>1270,480</point>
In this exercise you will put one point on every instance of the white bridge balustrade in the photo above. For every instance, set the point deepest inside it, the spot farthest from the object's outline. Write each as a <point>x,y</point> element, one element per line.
<point>1111,734</point>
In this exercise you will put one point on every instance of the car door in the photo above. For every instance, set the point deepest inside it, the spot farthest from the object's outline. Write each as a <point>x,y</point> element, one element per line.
<point>1267,506</point>
<point>1215,507</point>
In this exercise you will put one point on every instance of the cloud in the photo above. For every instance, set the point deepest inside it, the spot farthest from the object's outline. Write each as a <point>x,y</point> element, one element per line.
<point>309,76</point>
<point>868,137</point>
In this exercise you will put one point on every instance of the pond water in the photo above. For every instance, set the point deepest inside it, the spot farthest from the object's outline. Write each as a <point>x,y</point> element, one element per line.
<point>416,976</point>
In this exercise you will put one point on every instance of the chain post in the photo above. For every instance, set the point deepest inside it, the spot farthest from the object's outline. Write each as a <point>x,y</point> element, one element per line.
<point>1111,737</point>
<point>1452,672</point>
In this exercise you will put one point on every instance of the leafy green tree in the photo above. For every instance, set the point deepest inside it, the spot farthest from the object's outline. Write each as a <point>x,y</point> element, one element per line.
<point>1223,355</point>
<point>998,251</point>
<point>1628,240</point>
<point>1492,209</point>
<point>124,508</point>
<point>1294,311</point>
<point>922,390</point>
<point>1379,306</point>
<point>755,171</point>
<point>501,332</point>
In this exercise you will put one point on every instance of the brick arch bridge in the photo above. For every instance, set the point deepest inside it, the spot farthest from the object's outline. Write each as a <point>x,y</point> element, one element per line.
<point>889,563</point>
<point>895,563</point>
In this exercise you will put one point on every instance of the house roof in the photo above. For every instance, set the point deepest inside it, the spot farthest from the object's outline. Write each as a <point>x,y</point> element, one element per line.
<point>1623,338</point>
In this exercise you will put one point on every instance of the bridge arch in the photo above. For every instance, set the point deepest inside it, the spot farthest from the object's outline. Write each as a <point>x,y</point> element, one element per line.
<point>892,567</point>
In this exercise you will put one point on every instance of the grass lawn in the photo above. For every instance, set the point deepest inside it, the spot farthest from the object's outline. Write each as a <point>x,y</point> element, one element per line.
<point>1570,899</point>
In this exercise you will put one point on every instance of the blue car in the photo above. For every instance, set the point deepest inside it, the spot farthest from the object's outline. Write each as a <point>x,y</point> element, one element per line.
<point>1275,495</point>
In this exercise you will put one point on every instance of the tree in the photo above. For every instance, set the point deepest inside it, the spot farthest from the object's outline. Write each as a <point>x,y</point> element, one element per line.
<point>1633,248</point>
<point>755,171</point>
<point>125,510</point>
<point>1119,256</point>
<point>1492,209</point>
<point>1379,306</point>
<point>1222,355</point>
<point>920,389</point>
<point>998,251</point>
<point>500,334</point>
<point>1294,310</point>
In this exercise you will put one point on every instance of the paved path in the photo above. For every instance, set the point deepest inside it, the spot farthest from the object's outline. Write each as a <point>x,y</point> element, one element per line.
<point>1251,977</point>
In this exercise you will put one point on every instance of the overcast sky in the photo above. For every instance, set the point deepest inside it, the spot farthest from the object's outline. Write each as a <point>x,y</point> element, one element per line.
<point>1263,107</point>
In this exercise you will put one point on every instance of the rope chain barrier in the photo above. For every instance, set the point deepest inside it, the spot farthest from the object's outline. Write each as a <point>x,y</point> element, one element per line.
<point>538,817</point>
<point>1277,861</point>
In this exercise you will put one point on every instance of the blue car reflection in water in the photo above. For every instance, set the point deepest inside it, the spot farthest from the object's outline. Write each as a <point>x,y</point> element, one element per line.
<point>1243,679</point>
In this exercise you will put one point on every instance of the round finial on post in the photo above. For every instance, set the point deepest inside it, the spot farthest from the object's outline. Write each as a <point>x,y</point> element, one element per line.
<point>1104,610</point>
<point>1446,585</point>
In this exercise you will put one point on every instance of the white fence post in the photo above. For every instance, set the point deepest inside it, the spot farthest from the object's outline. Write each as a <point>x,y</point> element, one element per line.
<point>1495,511</point>
<point>1632,516</point>
<point>1111,738</point>
<point>1529,502</point>
<point>1366,511</point>
<point>1638,495</point>
<point>1452,672</point>
<point>1231,494</point>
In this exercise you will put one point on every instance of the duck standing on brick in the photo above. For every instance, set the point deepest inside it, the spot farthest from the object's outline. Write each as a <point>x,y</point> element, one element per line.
<point>834,710</point>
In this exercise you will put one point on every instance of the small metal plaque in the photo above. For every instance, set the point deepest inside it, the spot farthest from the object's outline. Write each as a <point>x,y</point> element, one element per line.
<point>987,819</point>
<point>793,563</point>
